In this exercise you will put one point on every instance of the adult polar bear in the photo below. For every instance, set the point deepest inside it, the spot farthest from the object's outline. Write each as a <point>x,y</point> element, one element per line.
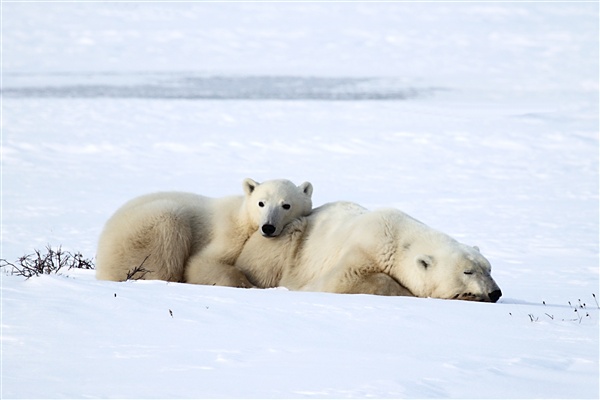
<point>343,248</point>
<point>184,237</point>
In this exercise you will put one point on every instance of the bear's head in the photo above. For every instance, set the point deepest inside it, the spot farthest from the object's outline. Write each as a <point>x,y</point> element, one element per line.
<point>271,205</point>
<point>451,270</point>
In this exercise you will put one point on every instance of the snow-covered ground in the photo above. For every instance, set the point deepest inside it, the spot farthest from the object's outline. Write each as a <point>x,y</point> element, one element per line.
<point>480,119</point>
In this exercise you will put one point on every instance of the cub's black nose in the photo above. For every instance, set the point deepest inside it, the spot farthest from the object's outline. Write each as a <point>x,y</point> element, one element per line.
<point>495,295</point>
<point>268,230</point>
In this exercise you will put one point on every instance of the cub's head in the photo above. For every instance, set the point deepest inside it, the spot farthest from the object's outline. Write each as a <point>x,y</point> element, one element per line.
<point>271,205</point>
<point>453,271</point>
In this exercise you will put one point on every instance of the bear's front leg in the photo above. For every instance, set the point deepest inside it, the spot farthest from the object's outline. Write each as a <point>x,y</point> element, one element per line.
<point>356,272</point>
<point>202,271</point>
<point>379,284</point>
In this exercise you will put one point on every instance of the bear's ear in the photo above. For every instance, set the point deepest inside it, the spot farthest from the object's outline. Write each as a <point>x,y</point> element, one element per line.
<point>306,188</point>
<point>249,185</point>
<point>424,261</point>
<point>477,248</point>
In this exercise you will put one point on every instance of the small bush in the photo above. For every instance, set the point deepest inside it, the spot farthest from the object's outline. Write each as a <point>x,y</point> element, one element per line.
<point>50,262</point>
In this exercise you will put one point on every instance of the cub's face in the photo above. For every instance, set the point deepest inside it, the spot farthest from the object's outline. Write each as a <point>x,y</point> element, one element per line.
<point>271,205</point>
<point>461,274</point>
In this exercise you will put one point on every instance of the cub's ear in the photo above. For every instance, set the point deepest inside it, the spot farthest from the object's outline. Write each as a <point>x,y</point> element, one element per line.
<point>307,188</point>
<point>249,185</point>
<point>477,248</point>
<point>424,261</point>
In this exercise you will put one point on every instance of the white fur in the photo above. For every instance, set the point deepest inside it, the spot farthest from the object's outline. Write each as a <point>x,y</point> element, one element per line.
<point>344,248</point>
<point>184,237</point>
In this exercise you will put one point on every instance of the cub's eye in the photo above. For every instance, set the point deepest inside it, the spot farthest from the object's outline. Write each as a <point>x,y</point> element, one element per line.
<point>468,272</point>
<point>286,206</point>
<point>261,204</point>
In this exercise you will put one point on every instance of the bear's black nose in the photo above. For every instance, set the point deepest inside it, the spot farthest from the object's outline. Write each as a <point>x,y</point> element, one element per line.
<point>495,295</point>
<point>268,230</point>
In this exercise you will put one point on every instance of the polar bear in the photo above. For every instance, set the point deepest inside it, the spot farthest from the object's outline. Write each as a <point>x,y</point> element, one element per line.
<point>343,248</point>
<point>185,237</point>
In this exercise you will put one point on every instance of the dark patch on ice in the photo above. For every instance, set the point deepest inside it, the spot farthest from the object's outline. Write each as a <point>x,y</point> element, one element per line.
<point>182,86</point>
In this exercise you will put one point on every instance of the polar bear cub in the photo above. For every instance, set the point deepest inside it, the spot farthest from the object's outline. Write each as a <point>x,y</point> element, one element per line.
<point>342,247</point>
<point>185,237</point>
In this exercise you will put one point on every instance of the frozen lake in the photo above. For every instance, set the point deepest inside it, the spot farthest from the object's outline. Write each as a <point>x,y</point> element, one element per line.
<point>177,85</point>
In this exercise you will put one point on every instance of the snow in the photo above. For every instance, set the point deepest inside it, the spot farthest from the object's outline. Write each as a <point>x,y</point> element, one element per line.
<point>85,338</point>
<point>488,132</point>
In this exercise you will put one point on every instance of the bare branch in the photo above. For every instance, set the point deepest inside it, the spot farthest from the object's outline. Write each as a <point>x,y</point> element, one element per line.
<point>138,270</point>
